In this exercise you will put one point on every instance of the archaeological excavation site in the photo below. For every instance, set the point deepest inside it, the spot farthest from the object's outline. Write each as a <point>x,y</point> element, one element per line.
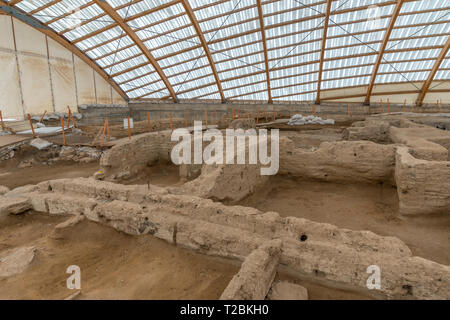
<point>224,150</point>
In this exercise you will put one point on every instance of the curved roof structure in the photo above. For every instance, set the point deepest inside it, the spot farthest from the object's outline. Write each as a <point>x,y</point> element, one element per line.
<point>265,50</point>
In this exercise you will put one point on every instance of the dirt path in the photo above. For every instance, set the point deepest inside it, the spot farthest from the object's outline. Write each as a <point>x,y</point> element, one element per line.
<point>113,265</point>
<point>356,207</point>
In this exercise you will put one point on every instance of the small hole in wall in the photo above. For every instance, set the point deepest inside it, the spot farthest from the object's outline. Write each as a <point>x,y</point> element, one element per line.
<point>303,237</point>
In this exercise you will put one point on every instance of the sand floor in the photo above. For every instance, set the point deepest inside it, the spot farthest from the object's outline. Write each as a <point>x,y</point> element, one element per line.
<point>113,265</point>
<point>356,207</point>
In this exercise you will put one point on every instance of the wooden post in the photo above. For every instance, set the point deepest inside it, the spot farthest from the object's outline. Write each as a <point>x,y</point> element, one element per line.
<point>206,118</point>
<point>265,115</point>
<point>248,114</point>
<point>437,106</point>
<point>382,106</point>
<point>404,106</point>
<point>274,114</point>
<point>103,132</point>
<point>232,114</point>
<point>257,116</point>
<point>148,122</point>
<point>73,120</point>
<point>63,133</point>
<point>1,120</point>
<point>107,129</point>
<point>31,125</point>
<point>68,118</point>
<point>171,123</point>
<point>129,129</point>
<point>237,115</point>
<point>42,117</point>
<point>389,106</point>
<point>186,118</point>
<point>215,122</point>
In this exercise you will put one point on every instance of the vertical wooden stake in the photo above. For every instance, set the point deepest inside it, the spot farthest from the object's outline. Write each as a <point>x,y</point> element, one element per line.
<point>257,116</point>
<point>404,106</point>
<point>437,106</point>
<point>274,114</point>
<point>68,118</point>
<point>1,120</point>
<point>148,122</point>
<point>129,129</point>
<point>186,118</point>
<point>103,132</point>
<point>248,114</point>
<point>63,133</point>
<point>215,122</point>
<point>42,117</point>
<point>382,106</point>
<point>389,106</point>
<point>107,129</point>
<point>265,115</point>
<point>31,125</point>
<point>206,119</point>
<point>232,114</point>
<point>171,123</point>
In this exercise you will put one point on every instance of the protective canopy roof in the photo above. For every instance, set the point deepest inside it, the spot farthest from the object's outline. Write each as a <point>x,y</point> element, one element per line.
<point>253,49</point>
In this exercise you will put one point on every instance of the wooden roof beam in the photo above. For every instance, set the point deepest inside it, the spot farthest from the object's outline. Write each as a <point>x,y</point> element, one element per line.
<point>264,42</point>
<point>322,50</point>
<point>199,31</point>
<point>387,35</point>
<point>433,71</point>
<point>51,3</point>
<point>118,20</point>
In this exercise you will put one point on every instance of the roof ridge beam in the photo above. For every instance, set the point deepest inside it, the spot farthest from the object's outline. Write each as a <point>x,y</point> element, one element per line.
<point>197,28</point>
<point>387,35</point>
<point>322,50</point>
<point>433,72</point>
<point>133,36</point>
<point>264,42</point>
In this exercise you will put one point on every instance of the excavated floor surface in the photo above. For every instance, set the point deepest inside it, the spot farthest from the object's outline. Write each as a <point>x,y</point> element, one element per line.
<point>113,265</point>
<point>118,266</point>
<point>13,177</point>
<point>356,207</point>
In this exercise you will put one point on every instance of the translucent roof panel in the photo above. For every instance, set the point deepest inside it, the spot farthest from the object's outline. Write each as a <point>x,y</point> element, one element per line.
<point>161,54</point>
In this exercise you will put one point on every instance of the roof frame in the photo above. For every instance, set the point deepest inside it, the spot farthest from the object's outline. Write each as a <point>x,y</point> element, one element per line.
<point>119,21</point>
<point>36,24</point>
<point>264,42</point>
<point>437,64</point>
<point>198,30</point>
<point>322,50</point>
<point>387,35</point>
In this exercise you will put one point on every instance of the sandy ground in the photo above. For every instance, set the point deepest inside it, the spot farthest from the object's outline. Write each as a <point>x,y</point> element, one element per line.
<point>356,207</point>
<point>12,138</point>
<point>113,265</point>
<point>118,266</point>
<point>162,175</point>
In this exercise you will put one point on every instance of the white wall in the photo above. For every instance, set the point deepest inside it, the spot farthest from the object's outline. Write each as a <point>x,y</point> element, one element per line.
<point>38,74</point>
